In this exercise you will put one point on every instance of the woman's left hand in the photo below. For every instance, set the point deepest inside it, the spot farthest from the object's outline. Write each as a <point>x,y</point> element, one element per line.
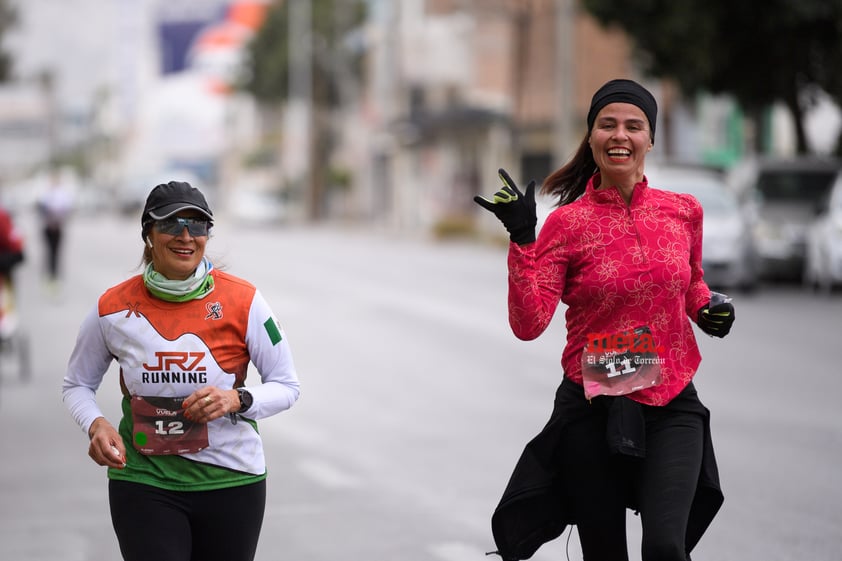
<point>716,320</point>
<point>206,404</point>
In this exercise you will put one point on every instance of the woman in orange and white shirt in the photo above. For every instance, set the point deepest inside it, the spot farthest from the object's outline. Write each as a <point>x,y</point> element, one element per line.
<point>186,466</point>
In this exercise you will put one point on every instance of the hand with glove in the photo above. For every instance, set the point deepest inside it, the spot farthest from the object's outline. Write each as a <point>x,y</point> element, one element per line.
<point>514,209</point>
<point>716,317</point>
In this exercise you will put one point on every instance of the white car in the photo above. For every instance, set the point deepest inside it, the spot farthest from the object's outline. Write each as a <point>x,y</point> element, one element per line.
<point>823,256</point>
<point>729,258</point>
<point>257,208</point>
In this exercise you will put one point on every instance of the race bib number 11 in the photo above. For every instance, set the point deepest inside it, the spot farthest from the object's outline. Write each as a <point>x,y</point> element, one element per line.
<point>620,363</point>
<point>160,427</point>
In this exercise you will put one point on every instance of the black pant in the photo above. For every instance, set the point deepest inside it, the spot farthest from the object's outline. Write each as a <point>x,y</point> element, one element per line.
<point>156,524</point>
<point>52,236</point>
<point>662,484</point>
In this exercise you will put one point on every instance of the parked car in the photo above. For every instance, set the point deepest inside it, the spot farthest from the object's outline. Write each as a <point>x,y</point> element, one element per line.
<point>729,258</point>
<point>823,258</point>
<point>257,208</point>
<point>253,198</point>
<point>783,196</point>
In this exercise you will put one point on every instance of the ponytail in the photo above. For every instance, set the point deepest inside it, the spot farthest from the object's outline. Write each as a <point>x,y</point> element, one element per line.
<point>568,183</point>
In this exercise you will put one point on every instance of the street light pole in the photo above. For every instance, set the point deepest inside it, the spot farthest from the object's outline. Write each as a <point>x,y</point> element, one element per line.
<point>299,119</point>
<point>565,79</point>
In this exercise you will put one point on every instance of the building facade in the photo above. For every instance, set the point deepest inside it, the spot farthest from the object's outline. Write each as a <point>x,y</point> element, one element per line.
<point>457,89</point>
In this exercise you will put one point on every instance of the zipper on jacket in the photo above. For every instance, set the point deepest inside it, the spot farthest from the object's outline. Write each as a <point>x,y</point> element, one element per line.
<point>636,234</point>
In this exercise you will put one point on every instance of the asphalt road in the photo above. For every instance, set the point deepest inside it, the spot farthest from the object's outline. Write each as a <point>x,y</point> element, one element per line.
<point>416,401</point>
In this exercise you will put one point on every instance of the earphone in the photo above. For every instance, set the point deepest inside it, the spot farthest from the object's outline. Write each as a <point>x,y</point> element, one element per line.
<point>149,243</point>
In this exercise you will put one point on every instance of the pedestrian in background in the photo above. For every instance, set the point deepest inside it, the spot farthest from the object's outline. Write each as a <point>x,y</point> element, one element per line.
<point>628,429</point>
<point>55,205</point>
<point>11,255</point>
<point>186,464</point>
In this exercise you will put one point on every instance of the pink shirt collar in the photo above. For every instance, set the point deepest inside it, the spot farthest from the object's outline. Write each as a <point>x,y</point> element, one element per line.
<point>612,195</point>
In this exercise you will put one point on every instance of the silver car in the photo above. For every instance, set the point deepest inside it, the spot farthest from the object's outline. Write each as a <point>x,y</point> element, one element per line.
<point>783,195</point>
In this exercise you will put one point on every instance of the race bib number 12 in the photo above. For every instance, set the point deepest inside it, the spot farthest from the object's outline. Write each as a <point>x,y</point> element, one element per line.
<point>620,363</point>
<point>160,427</point>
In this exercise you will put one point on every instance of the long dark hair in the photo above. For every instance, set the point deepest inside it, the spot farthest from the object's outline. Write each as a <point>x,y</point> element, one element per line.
<point>568,182</point>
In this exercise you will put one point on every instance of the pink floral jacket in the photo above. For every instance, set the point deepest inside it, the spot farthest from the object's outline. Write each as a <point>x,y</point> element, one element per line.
<point>616,266</point>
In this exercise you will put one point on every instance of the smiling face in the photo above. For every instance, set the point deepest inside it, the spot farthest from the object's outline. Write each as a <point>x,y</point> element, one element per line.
<point>620,140</point>
<point>177,256</point>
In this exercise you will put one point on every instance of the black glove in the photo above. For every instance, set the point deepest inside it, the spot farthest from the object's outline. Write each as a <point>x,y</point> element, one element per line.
<point>514,209</point>
<point>716,317</point>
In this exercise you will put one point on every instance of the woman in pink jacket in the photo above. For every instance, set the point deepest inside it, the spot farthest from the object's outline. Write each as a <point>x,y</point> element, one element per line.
<point>627,429</point>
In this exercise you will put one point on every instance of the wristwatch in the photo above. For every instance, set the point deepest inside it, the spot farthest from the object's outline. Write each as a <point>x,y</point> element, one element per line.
<point>246,399</point>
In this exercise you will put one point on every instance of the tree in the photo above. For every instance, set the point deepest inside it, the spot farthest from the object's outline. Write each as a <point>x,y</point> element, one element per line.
<point>333,67</point>
<point>760,52</point>
<point>8,18</point>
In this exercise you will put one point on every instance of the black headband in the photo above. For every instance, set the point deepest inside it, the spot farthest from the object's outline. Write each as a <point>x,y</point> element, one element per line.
<point>624,91</point>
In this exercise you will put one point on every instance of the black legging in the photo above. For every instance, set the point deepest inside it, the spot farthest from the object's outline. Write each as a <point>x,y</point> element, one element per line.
<point>663,484</point>
<point>153,523</point>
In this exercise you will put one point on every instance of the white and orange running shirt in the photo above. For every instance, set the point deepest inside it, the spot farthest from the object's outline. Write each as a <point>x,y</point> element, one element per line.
<point>168,349</point>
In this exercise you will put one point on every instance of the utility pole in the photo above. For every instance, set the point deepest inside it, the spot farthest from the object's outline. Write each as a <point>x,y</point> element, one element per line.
<point>565,79</point>
<point>299,112</point>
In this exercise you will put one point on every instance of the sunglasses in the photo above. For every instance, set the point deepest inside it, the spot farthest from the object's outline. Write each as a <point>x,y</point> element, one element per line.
<point>175,225</point>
